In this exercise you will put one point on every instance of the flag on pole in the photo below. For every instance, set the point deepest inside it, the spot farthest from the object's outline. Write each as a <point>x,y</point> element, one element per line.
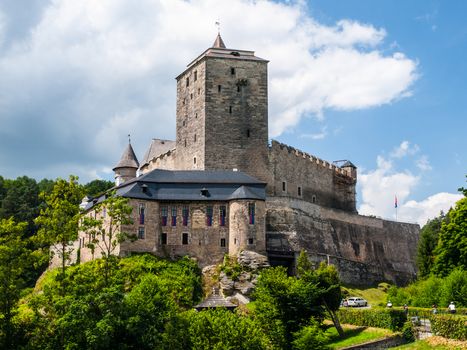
<point>395,201</point>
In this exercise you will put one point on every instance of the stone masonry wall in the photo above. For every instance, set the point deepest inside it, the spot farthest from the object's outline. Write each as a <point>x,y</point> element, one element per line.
<point>165,161</point>
<point>191,101</point>
<point>241,230</point>
<point>320,182</point>
<point>365,249</point>
<point>237,116</point>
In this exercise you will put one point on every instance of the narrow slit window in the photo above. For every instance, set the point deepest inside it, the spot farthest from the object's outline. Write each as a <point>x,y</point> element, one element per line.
<point>209,215</point>
<point>141,213</point>
<point>174,216</point>
<point>184,238</point>
<point>299,191</point>
<point>191,96</point>
<point>248,133</point>
<point>222,242</point>
<point>232,70</point>
<point>164,214</point>
<point>187,81</point>
<point>284,186</point>
<point>194,160</point>
<point>251,213</point>
<point>230,109</point>
<point>195,76</point>
<point>238,88</point>
<point>219,88</point>
<point>163,238</point>
<point>140,232</point>
<point>185,142</point>
<point>194,138</point>
<point>185,214</point>
<point>222,215</point>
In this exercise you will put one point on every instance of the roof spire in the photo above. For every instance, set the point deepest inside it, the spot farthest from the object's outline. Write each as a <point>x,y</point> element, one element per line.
<point>128,159</point>
<point>218,43</point>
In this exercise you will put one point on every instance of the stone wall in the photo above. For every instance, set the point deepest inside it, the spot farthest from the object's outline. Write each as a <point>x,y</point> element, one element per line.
<point>237,116</point>
<point>365,249</point>
<point>319,181</point>
<point>191,101</point>
<point>165,161</point>
<point>243,235</point>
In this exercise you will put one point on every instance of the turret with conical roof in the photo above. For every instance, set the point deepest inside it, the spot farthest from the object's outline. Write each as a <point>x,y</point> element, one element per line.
<point>127,166</point>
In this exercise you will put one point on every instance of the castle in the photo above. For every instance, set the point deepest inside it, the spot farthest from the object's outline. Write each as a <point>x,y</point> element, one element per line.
<point>221,187</point>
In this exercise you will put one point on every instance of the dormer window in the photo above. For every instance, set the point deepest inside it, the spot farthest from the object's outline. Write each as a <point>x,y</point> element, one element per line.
<point>204,192</point>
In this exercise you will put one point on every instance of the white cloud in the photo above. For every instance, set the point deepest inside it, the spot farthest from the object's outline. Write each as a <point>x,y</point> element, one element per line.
<point>423,163</point>
<point>317,136</point>
<point>379,188</point>
<point>404,149</point>
<point>85,65</point>
<point>428,208</point>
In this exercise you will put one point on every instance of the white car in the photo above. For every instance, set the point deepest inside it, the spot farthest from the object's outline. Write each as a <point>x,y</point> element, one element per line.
<point>356,301</point>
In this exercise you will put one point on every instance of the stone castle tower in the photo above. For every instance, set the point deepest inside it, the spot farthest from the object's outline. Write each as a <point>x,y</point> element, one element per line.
<point>222,112</point>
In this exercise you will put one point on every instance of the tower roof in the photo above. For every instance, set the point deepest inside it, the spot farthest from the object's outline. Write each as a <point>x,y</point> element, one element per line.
<point>219,43</point>
<point>128,159</point>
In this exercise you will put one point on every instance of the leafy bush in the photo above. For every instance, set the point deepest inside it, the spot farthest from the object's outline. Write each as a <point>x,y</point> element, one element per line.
<point>310,337</point>
<point>408,331</point>
<point>391,319</point>
<point>450,326</point>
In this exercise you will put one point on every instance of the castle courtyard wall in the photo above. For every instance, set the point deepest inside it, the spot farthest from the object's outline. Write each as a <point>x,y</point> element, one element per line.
<point>365,249</point>
<point>319,181</point>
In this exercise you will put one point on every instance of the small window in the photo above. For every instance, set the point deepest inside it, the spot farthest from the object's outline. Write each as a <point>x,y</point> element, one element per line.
<point>194,138</point>
<point>219,88</point>
<point>187,81</point>
<point>163,238</point>
<point>191,96</point>
<point>235,241</point>
<point>251,213</point>
<point>195,75</point>
<point>141,213</point>
<point>284,186</point>
<point>250,241</point>
<point>185,214</point>
<point>174,216</point>
<point>196,115</point>
<point>232,70</point>
<point>222,242</point>
<point>184,238</point>
<point>299,191</point>
<point>199,91</point>
<point>238,88</point>
<point>184,101</point>
<point>313,199</point>
<point>164,214</point>
<point>140,232</point>
<point>185,142</point>
<point>194,160</point>
<point>222,215</point>
<point>183,123</point>
<point>248,133</point>
<point>230,109</point>
<point>209,215</point>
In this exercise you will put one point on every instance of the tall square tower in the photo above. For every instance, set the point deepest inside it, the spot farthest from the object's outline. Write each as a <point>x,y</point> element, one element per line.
<point>222,112</point>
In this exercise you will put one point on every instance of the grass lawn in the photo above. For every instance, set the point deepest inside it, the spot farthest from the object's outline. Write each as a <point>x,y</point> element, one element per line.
<point>354,335</point>
<point>376,296</point>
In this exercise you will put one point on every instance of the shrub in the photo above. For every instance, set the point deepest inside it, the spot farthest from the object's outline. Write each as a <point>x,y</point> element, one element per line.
<point>408,332</point>
<point>310,337</point>
<point>450,326</point>
<point>390,319</point>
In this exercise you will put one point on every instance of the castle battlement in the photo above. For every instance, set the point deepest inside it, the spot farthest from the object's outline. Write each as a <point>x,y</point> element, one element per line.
<point>312,158</point>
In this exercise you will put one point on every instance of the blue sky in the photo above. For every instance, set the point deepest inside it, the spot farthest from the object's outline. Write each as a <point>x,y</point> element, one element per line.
<point>382,83</point>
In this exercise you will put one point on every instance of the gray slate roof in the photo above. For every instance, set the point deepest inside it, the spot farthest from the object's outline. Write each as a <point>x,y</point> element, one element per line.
<point>128,159</point>
<point>219,42</point>
<point>156,148</point>
<point>196,185</point>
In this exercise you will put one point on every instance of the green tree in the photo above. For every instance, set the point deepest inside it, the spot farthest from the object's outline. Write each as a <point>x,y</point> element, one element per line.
<point>21,201</point>
<point>97,187</point>
<point>14,260</point>
<point>427,244</point>
<point>58,221</point>
<point>331,293</point>
<point>451,251</point>
<point>106,228</point>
